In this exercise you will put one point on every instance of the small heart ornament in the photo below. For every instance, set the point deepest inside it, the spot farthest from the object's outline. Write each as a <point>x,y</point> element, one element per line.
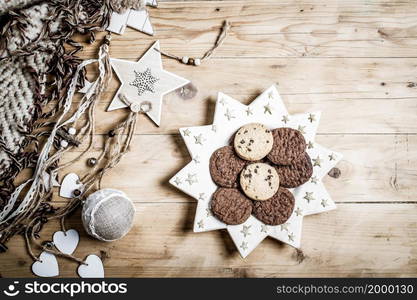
<point>66,241</point>
<point>93,268</point>
<point>47,266</point>
<point>70,183</point>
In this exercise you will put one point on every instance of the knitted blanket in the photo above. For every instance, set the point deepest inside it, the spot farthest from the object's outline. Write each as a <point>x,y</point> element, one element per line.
<point>35,68</point>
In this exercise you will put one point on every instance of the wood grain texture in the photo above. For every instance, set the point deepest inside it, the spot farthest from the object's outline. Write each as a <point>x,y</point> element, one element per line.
<point>284,28</point>
<point>366,175</point>
<point>372,240</point>
<point>355,95</point>
<point>353,60</point>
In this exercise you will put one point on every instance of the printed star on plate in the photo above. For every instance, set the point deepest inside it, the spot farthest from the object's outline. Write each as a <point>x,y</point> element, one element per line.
<point>144,81</point>
<point>308,197</point>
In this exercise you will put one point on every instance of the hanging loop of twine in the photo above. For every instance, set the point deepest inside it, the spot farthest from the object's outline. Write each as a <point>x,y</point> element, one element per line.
<point>143,107</point>
<point>197,61</point>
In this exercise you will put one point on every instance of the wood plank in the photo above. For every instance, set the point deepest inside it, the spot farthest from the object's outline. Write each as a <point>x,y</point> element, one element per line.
<point>353,241</point>
<point>376,95</point>
<point>375,168</point>
<point>282,29</point>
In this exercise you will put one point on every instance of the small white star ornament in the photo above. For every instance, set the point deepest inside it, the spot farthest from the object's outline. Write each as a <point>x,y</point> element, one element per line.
<point>137,19</point>
<point>195,179</point>
<point>66,241</point>
<point>47,266</point>
<point>93,267</point>
<point>144,83</point>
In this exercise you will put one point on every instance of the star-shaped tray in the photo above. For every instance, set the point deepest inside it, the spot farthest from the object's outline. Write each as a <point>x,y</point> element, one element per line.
<point>195,179</point>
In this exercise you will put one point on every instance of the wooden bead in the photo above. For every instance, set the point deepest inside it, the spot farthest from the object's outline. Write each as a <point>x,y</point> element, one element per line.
<point>91,162</point>
<point>72,131</point>
<point>64,144</point>
<point>48,244</point>
<point>135,107</point>
<point>146,106</point>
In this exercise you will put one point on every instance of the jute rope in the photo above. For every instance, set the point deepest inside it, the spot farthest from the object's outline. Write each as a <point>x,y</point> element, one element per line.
<point>116,145</point>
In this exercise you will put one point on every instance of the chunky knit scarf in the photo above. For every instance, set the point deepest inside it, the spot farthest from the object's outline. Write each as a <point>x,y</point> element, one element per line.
<point>36,68</point>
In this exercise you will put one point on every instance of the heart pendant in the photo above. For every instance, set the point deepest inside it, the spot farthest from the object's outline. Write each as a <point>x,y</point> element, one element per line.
<point>47,266</point>
<point>67,241</point>
<point>92,269</point>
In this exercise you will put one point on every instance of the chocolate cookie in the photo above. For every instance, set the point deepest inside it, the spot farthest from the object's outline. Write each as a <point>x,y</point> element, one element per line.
<point>277,210</point>
<point>230,206</point>
<point>253,141</point>
<point>296,174</point>
<point>225,166</point>
<point>259,181</point>
<point>289,145</point>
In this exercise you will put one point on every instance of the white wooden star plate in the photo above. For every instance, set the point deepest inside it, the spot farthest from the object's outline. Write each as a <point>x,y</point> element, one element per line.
<point>144,81</point>
<point>195,179</point>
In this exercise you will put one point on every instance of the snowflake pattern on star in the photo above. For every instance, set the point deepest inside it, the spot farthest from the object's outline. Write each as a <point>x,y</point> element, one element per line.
<point>144,81</point>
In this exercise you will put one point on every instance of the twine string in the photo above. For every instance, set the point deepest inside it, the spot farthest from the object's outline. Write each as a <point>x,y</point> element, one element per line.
<point>197,61</point>
<point>40,191</point>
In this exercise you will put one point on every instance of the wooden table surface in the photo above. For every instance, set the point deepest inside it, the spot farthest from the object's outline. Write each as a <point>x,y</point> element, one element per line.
<point>356,61</point>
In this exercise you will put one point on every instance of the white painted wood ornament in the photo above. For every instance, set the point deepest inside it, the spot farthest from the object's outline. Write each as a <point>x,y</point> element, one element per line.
<point>47,266</point>
<point>108,215</point>
<point>92,269</point>
<point>137,19</point>
<point>66,241</point>
<point>144,83</point>
<point>195,179</point>
<point>70,184</point>
<point>50,182</point>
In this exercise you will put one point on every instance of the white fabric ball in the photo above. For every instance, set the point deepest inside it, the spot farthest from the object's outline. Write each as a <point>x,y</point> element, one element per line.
<point>108,215</point>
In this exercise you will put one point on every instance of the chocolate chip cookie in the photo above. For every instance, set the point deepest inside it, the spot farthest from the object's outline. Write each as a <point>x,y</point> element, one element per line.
<point>253,141</point>
<point>296,174</point>
<point>289,145</point>
<point>277,210</point>
<point>259,181</point>
<point>230,206</point>
<point>225,166</point>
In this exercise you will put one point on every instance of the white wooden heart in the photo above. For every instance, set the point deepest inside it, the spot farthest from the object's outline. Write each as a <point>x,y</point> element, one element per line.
<point>47,266</point>
<point>93,268</point>
<point>70,183</point>
<point>66,241</point>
